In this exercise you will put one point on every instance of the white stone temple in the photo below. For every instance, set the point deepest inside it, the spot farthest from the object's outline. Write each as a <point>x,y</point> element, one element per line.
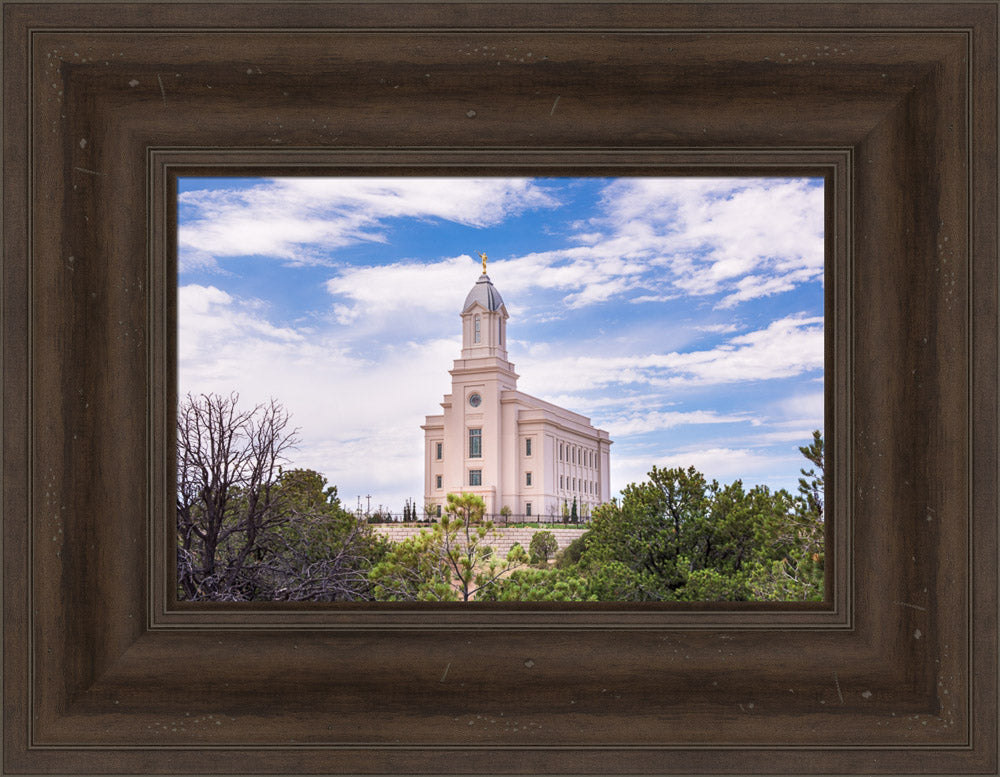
<point>512,449</point>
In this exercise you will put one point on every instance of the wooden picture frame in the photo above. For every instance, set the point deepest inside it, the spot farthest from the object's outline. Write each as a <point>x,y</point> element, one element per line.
<point>105,673</point>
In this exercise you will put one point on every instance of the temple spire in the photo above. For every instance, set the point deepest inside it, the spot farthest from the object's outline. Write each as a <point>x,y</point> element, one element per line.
<point>483,257</point>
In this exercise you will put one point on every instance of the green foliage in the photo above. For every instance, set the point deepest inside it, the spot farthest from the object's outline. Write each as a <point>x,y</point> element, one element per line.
<point>800,571</point>
<point>543,544</point>
<point>680,537</point>
<point>305,490</point>
<point>570,555</point>
<point>310,549</point>
<point>454,561</point>
<point>249,530</point>
<point>381,515</point>
<point>414,570</point>
<point>539,585</point>
<point>322,552</point>
<point>811,490</point>
<point>710,585</point>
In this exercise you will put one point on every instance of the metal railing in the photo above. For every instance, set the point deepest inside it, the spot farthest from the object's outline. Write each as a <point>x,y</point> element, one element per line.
<point>498,519</point>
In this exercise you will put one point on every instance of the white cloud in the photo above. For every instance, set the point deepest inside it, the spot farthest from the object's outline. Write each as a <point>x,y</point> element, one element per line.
<point>755,286</point>
<point>656,238</point>
<point>721,329</point>
<point>358,428</point>
<point>801,435</point>
<point>660,420</point>
<point>749,237</point>
<point>643,298</point>
<point>576,269</point>
<point>374,292</point>
<point>785,348</point>
<point>720,463</point>
<point>381,291</point>
<point>211,319</point>
<point>659,238</point>
<point>590,403</point>
<point>808,407</point>
<point>362,431</point>
<point>375,362</point>
<point>299,220</point>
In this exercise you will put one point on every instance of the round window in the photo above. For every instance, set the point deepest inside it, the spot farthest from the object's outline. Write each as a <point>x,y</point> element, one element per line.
<point>475,400</point>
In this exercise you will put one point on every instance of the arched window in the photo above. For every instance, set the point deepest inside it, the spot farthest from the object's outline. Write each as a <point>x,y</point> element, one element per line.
<point>478,324</point>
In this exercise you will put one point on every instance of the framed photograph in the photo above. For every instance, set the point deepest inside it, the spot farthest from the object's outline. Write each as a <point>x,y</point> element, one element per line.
<point>112,110</point>
<point>637,340</point>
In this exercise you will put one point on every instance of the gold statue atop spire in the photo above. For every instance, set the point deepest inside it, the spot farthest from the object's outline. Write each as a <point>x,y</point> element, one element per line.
<point>483,257</point>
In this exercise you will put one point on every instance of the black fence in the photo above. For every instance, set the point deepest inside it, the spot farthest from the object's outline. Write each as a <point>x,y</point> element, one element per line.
<point>498,519</point>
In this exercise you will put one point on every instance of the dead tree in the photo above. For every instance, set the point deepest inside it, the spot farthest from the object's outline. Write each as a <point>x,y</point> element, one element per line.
<point>228,462</point>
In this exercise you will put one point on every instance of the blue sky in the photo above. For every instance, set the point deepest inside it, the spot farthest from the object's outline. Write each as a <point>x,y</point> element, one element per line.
<point>683,315</point>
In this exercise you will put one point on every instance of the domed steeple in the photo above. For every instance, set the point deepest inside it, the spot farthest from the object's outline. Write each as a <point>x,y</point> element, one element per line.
<point>485,293</point>
<point>484,321</point>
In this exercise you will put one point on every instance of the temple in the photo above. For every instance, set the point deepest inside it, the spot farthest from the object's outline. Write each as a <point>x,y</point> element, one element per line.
<point>514,450</point>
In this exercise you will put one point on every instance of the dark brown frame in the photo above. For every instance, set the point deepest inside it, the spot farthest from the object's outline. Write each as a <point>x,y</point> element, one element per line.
<point>895,673</point>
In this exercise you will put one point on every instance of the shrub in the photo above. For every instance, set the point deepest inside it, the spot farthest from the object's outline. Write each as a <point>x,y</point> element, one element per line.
<point>543,545</point>
<point>570,555</point>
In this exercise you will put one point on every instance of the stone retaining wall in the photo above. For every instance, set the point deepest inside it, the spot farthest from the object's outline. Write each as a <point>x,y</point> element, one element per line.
<point>508,537</point>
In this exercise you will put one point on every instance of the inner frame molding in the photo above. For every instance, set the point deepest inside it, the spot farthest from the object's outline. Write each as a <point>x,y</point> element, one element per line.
<point>166,165</point>
<point>896,673</point>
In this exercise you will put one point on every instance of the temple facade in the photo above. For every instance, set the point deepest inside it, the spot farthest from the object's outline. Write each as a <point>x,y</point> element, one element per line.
<point>514,450</point>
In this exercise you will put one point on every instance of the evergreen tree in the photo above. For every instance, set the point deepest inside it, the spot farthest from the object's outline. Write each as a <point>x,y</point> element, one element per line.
<point>453,561</point>
<point>680,537</point>
<point>543,544</point>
